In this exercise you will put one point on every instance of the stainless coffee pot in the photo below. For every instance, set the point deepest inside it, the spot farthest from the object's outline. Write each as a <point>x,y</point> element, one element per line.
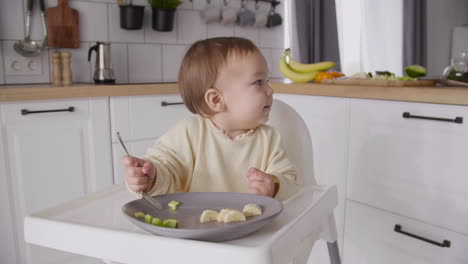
<point>103,72</point>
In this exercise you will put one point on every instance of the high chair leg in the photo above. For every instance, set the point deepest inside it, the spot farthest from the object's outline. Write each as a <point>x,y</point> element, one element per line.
<point>334,252</point>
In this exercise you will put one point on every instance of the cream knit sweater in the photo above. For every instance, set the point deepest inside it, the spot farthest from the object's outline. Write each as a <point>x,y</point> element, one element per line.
<point>196,156</point>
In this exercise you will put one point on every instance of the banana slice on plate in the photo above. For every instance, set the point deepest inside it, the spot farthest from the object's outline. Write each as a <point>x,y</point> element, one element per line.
<point>252,210</point>
<point>221,215</point>
<point>234,216</point>
<point>208,216</point>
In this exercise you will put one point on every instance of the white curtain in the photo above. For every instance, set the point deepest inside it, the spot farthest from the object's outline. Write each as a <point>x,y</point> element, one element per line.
<point>370,35</point>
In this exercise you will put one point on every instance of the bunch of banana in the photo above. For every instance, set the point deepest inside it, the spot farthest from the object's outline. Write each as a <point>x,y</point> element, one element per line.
<point>298,72</point>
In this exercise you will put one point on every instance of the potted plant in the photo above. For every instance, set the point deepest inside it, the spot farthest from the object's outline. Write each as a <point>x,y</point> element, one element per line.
<point>163,13</point>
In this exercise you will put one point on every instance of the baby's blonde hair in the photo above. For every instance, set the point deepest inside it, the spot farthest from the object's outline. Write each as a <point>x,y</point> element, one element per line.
<point>200,65</point>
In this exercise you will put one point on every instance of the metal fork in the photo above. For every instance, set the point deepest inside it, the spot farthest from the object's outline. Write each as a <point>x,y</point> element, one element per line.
<point>145,195</point>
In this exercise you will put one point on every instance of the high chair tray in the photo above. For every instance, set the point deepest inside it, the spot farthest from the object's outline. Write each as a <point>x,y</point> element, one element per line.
<point>190,209</point>
<point>95,226</point>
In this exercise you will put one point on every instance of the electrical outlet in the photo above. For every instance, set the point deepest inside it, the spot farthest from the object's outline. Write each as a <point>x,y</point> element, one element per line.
<point>23,66</point>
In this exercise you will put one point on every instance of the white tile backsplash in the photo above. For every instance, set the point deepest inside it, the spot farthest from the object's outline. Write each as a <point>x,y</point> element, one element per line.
<point>191,28</point>
<point>276,54</point>
<point>172,57</point>
<point>93,20</point>
<point>144,62</point>
<point>271,37</point>
<point>153,36</point>
<point>79,62</point>
<point>117,34</point>
<point>267,54</point>
<point>119,61</point>
<point>247,32</point>
<point>138,56</point>
<point>219,30</point>
<point>11,19</point>
<point>9,56</point>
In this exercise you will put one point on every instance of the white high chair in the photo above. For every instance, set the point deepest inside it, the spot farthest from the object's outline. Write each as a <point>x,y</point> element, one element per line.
<point>296,140</point>
<point>95,226</point>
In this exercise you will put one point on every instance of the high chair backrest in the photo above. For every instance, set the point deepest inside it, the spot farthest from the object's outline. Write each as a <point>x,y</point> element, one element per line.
<point>296,140</point>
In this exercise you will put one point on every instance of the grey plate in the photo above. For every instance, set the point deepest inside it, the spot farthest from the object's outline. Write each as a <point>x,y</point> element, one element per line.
<point>193,204</point>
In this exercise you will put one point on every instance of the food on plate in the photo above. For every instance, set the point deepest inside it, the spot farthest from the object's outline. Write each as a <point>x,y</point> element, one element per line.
<point>415,71</point>
<point>208,216</point>
<point>234,216</point>
<point>299,72</point>
<point>156,221</point>
<point>252,210</point>
<point>171,223</point>
<point>221,215</point>
<point>149,219</point>
<point>173,205</point>
<point>139,215</point>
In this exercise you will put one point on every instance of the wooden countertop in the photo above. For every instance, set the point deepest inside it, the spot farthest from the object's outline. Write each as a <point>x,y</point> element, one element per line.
<point>438,95</point>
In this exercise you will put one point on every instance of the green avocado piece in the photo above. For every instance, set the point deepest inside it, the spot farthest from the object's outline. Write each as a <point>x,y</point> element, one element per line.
<point>171,223</point>
<point>173,205</point>
<point>139,215</point>
<point>415,71</point>
<point>156,221</point>
<point>148,219</point>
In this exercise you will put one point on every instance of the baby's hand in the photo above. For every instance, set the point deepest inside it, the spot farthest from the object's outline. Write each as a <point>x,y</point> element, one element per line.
<point>139,173</point>
<point>260,182</point>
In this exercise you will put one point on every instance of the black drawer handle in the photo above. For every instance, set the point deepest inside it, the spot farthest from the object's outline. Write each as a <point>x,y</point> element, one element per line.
<point>445,243</point>
<point>27,112</point>
<point>164,103</point>
<point>458,119</point>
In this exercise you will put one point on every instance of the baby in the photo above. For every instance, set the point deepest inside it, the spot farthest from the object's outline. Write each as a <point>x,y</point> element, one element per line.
<point>226,145</point>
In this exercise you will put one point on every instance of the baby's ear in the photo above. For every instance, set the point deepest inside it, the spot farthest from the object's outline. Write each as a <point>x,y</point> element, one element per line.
<point>214,100</point>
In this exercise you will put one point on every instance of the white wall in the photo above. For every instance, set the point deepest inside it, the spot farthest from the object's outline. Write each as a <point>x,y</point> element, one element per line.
<point>138,56</point>
<point>442,17</point>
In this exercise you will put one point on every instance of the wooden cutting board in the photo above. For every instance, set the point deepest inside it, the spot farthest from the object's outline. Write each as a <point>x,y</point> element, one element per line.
<point>62,26</point>
<point>381,82</point>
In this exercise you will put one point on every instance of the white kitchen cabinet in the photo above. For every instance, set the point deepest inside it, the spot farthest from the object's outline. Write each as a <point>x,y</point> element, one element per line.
<point>53,157</point>
<point>327,121</point>
<point>140,121</point>
<point>411,166</point>
<point>370,238</point>
<point>7,226</point>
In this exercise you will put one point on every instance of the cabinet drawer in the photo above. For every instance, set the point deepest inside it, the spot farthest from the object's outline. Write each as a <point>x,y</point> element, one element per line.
<point>414,167</point>
<point>44,111</point>
<point>370,238</point>
<point>144,117</point>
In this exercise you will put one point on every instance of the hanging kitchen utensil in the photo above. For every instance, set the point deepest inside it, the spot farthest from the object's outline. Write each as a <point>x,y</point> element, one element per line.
<point>44,23</point>
<point>27,47</point>
<point>63,27</point>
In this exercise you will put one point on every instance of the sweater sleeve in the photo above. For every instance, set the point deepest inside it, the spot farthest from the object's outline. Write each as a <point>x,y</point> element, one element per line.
<point>280,166</point>
<point>173,157</point>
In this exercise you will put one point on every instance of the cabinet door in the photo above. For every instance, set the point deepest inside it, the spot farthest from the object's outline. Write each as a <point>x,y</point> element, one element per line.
<point>8,252</point>
<point>370,238</point>
<point>327,121</point>
<point>411,166</point>
<point>54,157</point>
<point>145,117</point>
<point>140,121</point>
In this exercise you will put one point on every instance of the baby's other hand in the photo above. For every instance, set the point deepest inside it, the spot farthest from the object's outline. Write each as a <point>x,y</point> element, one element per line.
<point>260,183</point>
<point>139,173</point>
